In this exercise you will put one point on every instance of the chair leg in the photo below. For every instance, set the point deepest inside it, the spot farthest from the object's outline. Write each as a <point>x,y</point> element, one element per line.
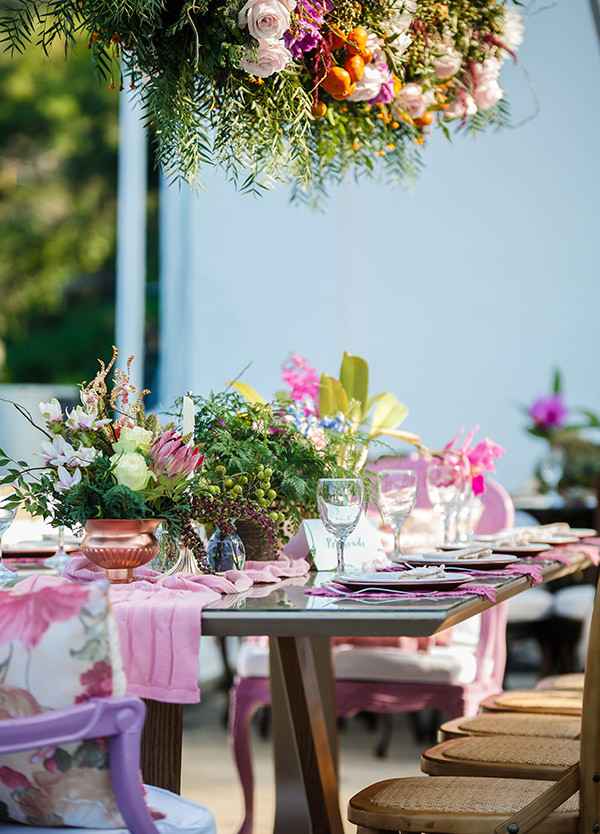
<point>386,723</point>
<point>243,705</point>
<point>264,722</point>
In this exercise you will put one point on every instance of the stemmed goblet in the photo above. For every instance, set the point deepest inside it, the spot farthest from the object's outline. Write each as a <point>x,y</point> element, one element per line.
<point>340,502</point>
<point>397,496</point>
<point>445,484</point>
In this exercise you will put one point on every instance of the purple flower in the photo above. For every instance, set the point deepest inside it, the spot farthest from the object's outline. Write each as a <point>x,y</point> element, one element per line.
<point>549,412</point>
<point>305,34</point>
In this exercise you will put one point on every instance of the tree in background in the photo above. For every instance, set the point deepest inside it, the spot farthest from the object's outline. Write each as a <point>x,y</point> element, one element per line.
<point>58,168</point>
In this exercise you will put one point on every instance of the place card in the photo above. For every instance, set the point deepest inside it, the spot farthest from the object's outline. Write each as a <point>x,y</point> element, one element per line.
<point>314,542</point>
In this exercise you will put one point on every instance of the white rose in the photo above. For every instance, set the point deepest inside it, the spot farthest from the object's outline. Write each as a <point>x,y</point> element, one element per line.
<point>447,64</point>
<point>265,19</point>
<point>369,85</point>
<point>267,59</point>
<point>487,95</point>
<point>514,28</point>
<point>131,470</point>
<point>51,411</point>
<point>132,439</point>
<point>461,107</point>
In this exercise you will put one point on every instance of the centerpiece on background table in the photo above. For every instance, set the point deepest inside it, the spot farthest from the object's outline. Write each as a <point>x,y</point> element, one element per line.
<point>291,90</point>
<point>112,469</point>
<point>572,460</point>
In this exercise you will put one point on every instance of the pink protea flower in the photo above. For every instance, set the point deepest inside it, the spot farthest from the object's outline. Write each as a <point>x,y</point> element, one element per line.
<point>172,457</point>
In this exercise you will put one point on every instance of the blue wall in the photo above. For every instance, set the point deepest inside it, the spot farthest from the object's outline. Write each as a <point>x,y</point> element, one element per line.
<point>463,292</point>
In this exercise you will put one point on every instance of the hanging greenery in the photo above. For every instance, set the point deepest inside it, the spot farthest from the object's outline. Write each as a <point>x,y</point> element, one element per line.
<point>303,91</point>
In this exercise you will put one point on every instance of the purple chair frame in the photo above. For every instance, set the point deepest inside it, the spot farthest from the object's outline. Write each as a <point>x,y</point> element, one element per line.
<point>119,720</point>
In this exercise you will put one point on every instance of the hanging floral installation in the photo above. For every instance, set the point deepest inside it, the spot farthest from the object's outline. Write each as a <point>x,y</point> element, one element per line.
<point>303,91</point>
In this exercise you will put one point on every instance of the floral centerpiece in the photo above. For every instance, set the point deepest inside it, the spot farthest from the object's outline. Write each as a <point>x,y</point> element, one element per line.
<point>260,473</point>
<point>107,466</point>
<point>321,406</point>
<point>300,90</point>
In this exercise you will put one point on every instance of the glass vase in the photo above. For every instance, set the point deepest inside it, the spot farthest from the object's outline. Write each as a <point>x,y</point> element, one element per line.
<point>225,552</point>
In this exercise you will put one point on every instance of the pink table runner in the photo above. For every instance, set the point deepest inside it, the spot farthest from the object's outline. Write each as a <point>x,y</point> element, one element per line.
<point>160,617</point>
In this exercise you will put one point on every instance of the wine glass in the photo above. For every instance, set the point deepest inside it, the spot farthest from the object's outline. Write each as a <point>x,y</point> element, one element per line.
<point>397,496</point>
<point>445,483</point>
<point>552,467</point>
<point>60,559</point>
<point>340,502</point>
<point>7,516</point>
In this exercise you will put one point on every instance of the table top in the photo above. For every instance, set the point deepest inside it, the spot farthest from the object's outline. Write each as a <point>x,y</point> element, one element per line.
<point>286,611</point>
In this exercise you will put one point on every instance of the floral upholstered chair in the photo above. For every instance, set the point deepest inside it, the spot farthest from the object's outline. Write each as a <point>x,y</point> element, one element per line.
<point>69,736</point>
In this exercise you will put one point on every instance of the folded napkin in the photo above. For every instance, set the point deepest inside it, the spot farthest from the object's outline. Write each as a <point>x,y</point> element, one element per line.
<point>533,572</point>
<point>340,591</point>
<point>160,618</point>
<point>565,553</point>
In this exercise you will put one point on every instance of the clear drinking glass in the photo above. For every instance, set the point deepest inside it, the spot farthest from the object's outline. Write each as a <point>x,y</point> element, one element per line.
<point>7,516</point>
<point>60,559</point>
<point>445,483</point>
<point>397,496</point>
<point>552,466</point>
<point>340,502</point>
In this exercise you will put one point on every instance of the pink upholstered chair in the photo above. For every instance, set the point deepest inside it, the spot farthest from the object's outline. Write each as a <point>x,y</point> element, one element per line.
<point>69,736</point>
<point>389,677</point>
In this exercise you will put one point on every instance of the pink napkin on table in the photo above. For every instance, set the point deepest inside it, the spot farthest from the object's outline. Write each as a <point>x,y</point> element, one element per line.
<point>564,553</point>
<point>160,618</point>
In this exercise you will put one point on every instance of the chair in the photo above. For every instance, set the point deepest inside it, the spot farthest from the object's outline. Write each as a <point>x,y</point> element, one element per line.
<point>72,764</point>
<point>383,678</point>
<point>573,681</point>
<point>492,724</point>
<point>544,701</point>
<point>481,804</point>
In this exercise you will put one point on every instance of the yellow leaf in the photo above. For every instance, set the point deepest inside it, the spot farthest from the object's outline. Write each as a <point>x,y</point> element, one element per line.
<point>332,397</point>
<point>388,413</point>
<point>406,436</point>
<point>354,376</point>
<point>248,392</point>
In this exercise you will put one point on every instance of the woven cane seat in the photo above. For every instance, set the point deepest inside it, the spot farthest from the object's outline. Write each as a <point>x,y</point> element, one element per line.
<point>454,805</point>
<point>553,701</point>
<point>573,681</point>
<point>512,724</point>
<point>505,756</point>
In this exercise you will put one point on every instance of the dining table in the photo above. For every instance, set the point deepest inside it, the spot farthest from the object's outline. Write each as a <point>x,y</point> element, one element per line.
<point>300,627</point>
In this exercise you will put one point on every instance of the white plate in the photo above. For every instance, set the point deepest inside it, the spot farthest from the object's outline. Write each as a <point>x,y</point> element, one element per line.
<point>516,549</point>
<point>493,561</point>
<point>555,540</point>
<point>401,581</point>
<point>583,532</point>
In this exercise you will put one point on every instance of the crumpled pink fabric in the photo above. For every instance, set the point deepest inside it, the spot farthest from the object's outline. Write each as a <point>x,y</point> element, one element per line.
<point>160,618</point>
<point>564,553</point>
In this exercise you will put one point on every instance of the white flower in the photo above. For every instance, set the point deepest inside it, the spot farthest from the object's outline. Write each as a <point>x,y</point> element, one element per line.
<point>370,84</point>
<point>133,439</point>
<point>84,456</point>
<point>488,91</point>
<point>514,29</point>
<point>66,480</point>
<point>131,470</point>
<point>51,411</point>
<point>265,19</point>
<point>412,100</point>
<point>461,107</point>
<point>79,418</point>
<point>58,452</point>
<point>448,63</point>
<point>268,58</point>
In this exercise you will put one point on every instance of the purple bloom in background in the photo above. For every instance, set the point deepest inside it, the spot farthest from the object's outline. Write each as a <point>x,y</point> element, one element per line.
<point>386,93</point>
<point>549,412</point>
<point>306,34</point>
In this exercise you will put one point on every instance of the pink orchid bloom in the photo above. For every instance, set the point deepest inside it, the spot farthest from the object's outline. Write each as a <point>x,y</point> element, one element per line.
<point>484,455</point>
<point>172,457</point>
<point>25,617</point>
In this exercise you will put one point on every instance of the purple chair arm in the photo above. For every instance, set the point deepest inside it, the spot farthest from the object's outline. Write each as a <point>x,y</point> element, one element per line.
<point>120,720</point>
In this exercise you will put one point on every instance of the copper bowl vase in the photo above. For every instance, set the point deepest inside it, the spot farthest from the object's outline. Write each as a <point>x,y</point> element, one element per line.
<point>120,545</point>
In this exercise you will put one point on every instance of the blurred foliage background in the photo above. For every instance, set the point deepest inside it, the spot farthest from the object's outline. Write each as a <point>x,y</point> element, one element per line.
<point>58,178</point>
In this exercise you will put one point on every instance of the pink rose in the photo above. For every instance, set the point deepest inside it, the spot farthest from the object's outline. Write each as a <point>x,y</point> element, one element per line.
<point>448,64</point>
<point>462,106</point>
<point>270,57</point>
<point>412,100</point>
<point>265,19</point>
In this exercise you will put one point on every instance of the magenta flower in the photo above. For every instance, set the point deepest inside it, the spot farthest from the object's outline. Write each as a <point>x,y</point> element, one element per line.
<point>483,455</point>
<point>549,412</point>
<point>303,381</point>
<point>98,682</point>
<point>172,457</point>
<point>26,617</point>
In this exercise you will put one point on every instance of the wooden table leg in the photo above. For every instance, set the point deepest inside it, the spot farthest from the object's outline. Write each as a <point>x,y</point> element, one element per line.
<point>305,742</point>
<point>161,745</point>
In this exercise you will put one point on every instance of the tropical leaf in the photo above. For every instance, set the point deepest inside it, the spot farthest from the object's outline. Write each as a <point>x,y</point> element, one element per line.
<point>332,397</point>
<point>354,376</point>
<point>388,413</point>
<point>557,385</point>
<point>406,437</point>
<point>248,392</point>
